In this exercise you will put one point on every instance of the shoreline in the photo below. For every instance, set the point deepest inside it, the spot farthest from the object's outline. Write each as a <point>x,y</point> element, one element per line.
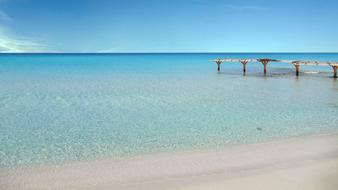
<point>160,153</point>
<point>304,162</point>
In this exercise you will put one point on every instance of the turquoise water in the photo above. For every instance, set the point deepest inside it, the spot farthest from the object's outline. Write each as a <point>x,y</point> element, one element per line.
<point>60,108</point>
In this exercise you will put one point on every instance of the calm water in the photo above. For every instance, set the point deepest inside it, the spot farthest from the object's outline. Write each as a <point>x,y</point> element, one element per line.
<point>59,108</point>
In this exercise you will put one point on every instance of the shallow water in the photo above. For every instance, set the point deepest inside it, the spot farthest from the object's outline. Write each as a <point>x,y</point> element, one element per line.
<point>59,108</point>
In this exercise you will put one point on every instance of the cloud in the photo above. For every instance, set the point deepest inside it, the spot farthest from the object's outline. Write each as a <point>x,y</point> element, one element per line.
<point>10,45</point>
<point>245,7</point>
<point>109,50</point>
<point>15,44</point>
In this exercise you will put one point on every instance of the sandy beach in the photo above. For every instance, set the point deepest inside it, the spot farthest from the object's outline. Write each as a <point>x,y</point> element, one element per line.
<point>296,163</point>
<point>168,95</point>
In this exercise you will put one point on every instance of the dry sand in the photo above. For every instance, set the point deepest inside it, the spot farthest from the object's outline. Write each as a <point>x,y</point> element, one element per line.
<point>299,163</point>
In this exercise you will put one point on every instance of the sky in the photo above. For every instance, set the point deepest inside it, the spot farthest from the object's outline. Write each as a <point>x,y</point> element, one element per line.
<point>102,26</point>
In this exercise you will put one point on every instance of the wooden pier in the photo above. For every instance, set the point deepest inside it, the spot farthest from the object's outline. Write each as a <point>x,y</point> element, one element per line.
<point>266,61</point>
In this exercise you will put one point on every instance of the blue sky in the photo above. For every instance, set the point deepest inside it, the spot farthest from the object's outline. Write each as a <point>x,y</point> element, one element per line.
<point>168,26</point>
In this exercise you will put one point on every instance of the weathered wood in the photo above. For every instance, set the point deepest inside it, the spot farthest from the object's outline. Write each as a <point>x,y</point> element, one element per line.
<point>297,69</point>
<point>218,62</point>
<point>265,61</point>
<point>244,62</point>
<point>265,68</point>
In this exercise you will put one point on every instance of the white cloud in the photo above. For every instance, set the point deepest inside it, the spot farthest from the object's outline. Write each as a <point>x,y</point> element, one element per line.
<point>109,50</point>
<point>10,45</point>
<point>14,44</point>
<point>244,8</point>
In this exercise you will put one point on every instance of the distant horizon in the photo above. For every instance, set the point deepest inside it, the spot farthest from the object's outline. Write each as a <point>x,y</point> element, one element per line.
<point>167,52</point>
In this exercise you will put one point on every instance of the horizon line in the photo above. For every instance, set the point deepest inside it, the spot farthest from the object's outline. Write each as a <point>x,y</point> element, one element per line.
<point>156,52</point>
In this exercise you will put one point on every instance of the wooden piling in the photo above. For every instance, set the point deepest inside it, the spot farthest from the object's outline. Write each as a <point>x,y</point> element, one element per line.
<point>297,69</point>
<point>218,62</point>
<point>244,62</point>
<point>334,71</point>
<point>265,63</point>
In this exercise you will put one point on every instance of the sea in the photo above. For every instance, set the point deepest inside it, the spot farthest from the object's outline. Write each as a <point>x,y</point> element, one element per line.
<point>61,108</point>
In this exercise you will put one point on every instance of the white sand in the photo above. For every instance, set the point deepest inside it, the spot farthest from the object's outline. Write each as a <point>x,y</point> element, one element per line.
<point>299,163</point>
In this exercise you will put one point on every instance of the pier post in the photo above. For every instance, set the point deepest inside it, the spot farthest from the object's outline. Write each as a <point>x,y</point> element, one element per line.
<point>264,62</point>
<point>218,62</point>
<point>334,71</point>
<point>297,68</point>
<point>244,62</point>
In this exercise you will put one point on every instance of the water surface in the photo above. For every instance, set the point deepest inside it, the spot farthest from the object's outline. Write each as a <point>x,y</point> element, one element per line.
<point>56,108</point>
